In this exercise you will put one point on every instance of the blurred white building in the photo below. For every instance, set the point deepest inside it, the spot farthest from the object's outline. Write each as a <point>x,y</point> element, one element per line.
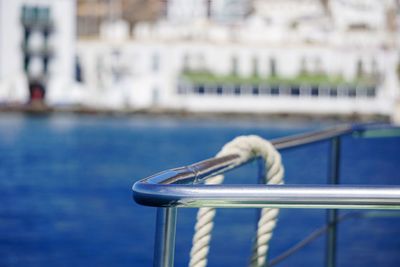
<point>286,56</point>
<point>243,50</point>
<point>37,48</point>
<point>222,11</point>
<point>183,11</point>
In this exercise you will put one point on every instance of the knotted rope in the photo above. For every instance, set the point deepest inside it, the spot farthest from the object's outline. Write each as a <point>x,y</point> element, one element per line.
<point>247,147</point>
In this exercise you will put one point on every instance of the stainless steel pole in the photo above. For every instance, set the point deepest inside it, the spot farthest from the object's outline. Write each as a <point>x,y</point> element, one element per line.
<point>262,170</point>
<point>332,214</point>
<point>164,247</point>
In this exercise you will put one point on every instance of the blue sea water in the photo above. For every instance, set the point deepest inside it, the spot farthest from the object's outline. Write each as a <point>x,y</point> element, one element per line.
<point>65,191</point>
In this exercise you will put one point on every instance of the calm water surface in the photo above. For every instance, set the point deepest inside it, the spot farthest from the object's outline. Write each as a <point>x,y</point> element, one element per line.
<point>65,191</point>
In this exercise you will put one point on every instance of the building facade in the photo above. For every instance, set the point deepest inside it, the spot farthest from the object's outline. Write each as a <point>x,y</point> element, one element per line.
<point>286,56</point>
<point>37,50</point>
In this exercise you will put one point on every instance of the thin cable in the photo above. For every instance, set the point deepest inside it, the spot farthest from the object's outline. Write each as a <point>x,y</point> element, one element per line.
<point>321,230</point>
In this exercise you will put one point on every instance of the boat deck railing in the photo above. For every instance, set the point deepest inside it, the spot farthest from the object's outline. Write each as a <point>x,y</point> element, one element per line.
<point>184,187</point>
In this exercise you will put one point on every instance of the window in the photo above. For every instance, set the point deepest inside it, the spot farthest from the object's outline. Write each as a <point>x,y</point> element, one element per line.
<point>303,65</point>
<point>28,14</point>
<point>201,62</point>
<point>295,90</point>
<point>352,92</point>
<point>374,69</point>
<point>185,62</point>
<point>43,15</point>
<point>371,91</point>
<point>219,90</point>
<point>255,90</point>
<point>46,60</point>
<point>274,90</point>
<point>333,92</point>
<point>237,90</point>
<point>272,67</point>
<point>155,96</point>
<point>155,62</point>
<point>234,65</point>
<point>360,68</point>
<point>255,70</point>
<point>314,91</point>
<point>27,60</point>
<point>27,34</point>
<point>199,89</point>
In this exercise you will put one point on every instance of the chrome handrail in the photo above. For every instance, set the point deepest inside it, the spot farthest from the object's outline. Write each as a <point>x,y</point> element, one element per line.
<point>182,187</point>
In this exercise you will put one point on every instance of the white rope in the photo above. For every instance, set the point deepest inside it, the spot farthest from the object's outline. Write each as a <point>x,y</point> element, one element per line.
<point>246,147</point>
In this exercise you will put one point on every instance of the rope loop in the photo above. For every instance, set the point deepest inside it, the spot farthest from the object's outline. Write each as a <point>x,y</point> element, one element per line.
<point>247,147</point>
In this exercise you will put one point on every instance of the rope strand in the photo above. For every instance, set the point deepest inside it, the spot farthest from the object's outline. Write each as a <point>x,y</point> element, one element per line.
<point>247,147</point>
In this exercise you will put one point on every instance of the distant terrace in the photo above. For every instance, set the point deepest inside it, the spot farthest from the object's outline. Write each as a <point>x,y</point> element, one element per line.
<point>206,83</point>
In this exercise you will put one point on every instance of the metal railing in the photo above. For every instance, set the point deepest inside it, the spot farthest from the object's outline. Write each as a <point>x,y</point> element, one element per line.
<point>182,187</point>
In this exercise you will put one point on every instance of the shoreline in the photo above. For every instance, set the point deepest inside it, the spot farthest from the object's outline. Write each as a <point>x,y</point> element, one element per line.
<point>42,110</point>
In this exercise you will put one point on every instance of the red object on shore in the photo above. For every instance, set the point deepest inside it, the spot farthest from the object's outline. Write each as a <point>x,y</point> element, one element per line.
<point>36,91</point>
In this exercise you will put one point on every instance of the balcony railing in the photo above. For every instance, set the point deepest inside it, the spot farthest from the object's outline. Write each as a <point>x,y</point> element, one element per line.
<point>276,90</point>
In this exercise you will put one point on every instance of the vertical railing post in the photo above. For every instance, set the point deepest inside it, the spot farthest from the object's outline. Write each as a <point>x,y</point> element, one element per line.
<point>332,214</point>
<point>262,172</point>
<point>164,247</point>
